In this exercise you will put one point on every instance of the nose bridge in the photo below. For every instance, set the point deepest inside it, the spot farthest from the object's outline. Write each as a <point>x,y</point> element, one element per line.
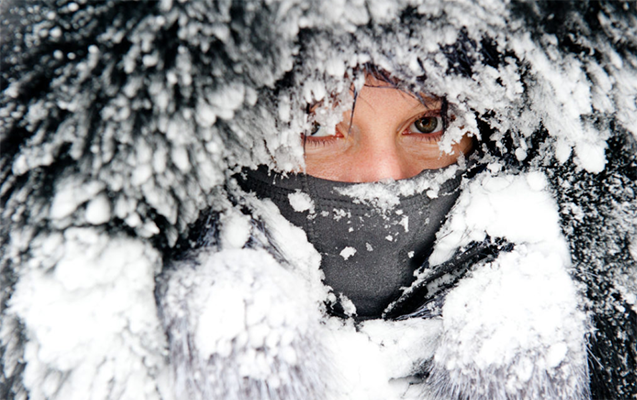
<point>379,155</point>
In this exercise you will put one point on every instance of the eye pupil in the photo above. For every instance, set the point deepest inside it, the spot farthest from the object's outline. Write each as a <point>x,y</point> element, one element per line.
<point>426,124</point>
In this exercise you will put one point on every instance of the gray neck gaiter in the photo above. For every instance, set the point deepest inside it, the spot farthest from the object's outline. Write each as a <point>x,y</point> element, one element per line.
<point>371,236</point>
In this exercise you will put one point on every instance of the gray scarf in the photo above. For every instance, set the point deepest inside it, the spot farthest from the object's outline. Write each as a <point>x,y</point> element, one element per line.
<point>371,236</point>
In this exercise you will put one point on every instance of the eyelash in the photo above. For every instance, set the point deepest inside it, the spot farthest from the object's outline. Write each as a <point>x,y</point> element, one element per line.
<point>319,142</point>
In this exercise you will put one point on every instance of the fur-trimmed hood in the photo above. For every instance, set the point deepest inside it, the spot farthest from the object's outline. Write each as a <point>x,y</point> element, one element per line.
<point>125,243</point>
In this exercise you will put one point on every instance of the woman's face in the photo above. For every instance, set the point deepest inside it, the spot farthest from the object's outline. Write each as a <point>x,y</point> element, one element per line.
<point>392,136</point>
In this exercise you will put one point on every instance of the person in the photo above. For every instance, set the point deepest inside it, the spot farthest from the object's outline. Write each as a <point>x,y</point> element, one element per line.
<point>249,200</point>
<point>397,239</point>
<point>391,135</point>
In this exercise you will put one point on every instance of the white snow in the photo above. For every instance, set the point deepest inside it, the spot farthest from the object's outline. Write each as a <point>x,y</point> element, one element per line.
<point>348,306</point>
<point>514,207</point>
<point>372,360</point>
<point>246,310</point>
<point>92,319</point>
<point>519,311</point>
<point>405,223</point>
<point>632,246</point>
<point>70,193</point>
<point>520,314</point>
<point>302,257</point>
<point>301,202</point>
<point>98,210</point>
<point>236,230</point>
<point>347,252</point>
<point>386,195</point>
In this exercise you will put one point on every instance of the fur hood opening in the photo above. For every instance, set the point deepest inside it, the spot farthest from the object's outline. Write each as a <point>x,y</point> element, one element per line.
<point>124,236</point>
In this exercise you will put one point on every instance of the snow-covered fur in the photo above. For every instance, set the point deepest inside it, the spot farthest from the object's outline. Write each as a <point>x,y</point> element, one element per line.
<point>514,329</point>
<point>133,267</point>
<point>241,323</point>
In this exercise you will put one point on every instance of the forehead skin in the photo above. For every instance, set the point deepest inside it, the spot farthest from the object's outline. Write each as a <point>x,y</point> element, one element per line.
<point>376,93</point>
<point>380,105</point>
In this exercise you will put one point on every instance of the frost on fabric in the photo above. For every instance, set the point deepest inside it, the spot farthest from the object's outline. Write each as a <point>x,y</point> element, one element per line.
<point>98,210</point>
<point>518,318</point>
<point>291,243</point>
<point>516,207</point>
<point>386,195</point>
<point>301,202</point>
<point>516,323</point>
<point>266,291</point>
<point>236,232</point>
<point>229,117</point>
<point>111,118</point>
<point>377,358</point>
<point>347,252</point>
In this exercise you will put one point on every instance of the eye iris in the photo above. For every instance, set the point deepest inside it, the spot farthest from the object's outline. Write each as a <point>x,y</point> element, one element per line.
<point>427,124</point>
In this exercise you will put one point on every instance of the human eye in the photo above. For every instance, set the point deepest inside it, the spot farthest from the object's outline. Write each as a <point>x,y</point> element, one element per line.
<point>427,124</point>
<point>320,135</point>
<point>318,131</point>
